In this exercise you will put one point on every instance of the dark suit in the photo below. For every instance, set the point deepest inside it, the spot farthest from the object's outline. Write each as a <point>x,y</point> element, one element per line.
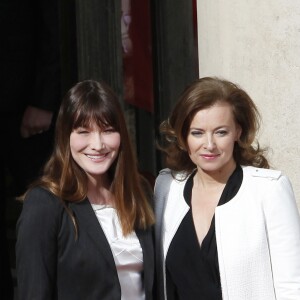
<point>52,264</point>
<point>29,75</point>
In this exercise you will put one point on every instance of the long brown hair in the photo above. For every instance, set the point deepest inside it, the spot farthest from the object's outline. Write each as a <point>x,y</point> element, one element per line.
<point>87,102</point>
<point>201,94</point>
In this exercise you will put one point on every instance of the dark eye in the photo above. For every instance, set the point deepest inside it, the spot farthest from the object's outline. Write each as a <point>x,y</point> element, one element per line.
<point>109,130</point>
<point>221,132</point>
<point>196,133</point>
<point>81,130</point>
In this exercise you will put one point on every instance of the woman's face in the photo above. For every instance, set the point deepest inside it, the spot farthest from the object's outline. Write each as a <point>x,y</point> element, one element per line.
<point>94,149</point>
<point>211,138</point>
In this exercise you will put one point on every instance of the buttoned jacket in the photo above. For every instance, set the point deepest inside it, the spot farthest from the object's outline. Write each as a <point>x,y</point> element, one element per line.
<point>257,234</point>
<point>52,263</point>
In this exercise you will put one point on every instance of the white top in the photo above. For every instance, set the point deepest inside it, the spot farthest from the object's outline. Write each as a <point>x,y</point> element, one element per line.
<point>127,253</point>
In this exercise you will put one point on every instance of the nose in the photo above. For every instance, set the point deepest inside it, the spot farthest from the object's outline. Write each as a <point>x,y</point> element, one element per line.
<point>210,143</point>
<point>97,142</point>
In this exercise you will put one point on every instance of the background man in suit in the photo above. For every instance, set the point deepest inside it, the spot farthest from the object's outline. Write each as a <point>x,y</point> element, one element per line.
<point>30,96</point>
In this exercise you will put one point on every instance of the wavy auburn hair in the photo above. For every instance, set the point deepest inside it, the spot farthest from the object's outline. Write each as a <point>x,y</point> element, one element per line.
<point>201,94</point>
<point>92,102</point>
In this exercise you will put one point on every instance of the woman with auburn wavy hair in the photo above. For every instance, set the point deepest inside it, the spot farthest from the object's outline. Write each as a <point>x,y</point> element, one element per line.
<point>227,226</point>
<point>85,231</point>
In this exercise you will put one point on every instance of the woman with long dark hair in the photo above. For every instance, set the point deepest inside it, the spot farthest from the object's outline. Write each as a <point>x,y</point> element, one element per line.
<point>85,231</point>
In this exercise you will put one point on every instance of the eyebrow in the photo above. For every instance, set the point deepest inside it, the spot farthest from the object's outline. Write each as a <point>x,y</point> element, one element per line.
<point>217,128</point>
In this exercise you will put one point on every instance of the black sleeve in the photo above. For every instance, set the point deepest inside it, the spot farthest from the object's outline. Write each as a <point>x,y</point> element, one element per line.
<point>36,247</point>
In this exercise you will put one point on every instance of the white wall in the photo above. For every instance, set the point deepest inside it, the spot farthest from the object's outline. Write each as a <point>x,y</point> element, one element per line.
<point>257,45</point>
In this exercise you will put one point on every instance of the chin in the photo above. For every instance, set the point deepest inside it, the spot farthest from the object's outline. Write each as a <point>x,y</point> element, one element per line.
<point>212,168</point>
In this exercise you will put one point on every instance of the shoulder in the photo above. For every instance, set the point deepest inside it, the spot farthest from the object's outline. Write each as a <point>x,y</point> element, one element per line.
<point>169,180</point>
<point>39,199</point>
<point>165,172</point>
<point>41,213</point>
<point>168,174</point>
<point>262,173</point>
<point>40,193</point>
<point>269,181</point>
<point>164,176</point>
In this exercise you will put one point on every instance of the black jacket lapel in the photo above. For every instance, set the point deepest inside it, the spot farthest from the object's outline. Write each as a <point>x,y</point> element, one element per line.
<point>88,224</point>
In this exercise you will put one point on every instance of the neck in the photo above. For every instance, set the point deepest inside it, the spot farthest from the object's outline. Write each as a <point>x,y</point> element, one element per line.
<point>99,191</point>
<point>209,180</point>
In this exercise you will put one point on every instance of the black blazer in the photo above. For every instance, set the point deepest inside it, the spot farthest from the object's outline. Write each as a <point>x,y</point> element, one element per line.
<point>52,264</point>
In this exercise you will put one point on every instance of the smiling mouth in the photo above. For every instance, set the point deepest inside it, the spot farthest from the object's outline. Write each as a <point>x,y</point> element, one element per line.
<point>97,157</point>
<point>210,156</point>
